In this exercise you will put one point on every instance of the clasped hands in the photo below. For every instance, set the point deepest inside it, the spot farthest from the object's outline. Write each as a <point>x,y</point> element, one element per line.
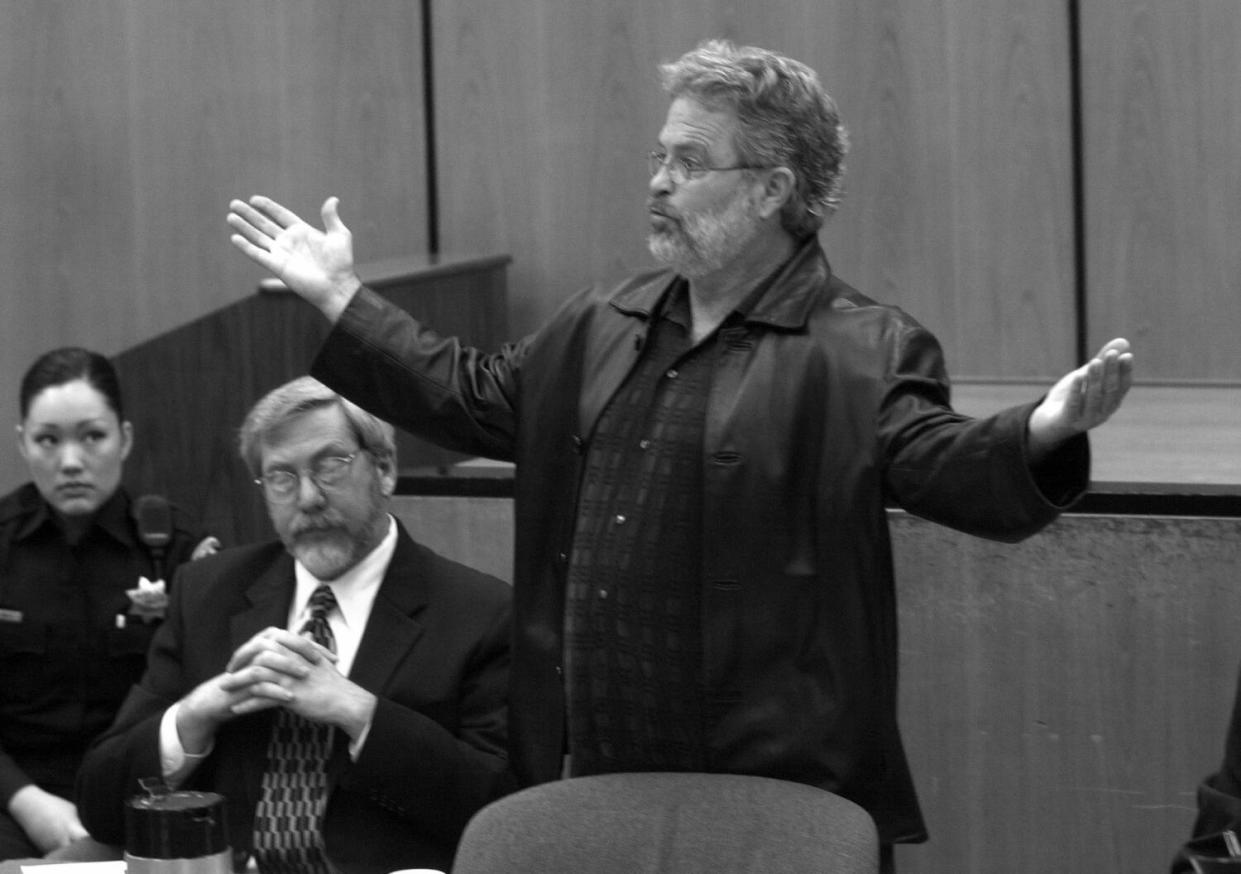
<point>275,668</point>
<point>279,668</point>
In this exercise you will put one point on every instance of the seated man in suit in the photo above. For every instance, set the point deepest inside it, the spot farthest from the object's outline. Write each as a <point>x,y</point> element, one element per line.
<point>408,674</point>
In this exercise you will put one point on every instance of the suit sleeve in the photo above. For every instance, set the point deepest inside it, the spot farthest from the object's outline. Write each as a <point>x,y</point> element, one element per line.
<point>433,775</point>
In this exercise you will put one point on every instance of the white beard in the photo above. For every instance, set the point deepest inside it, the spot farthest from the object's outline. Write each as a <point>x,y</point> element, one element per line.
<point>327,554</point>
<point>703,243</point>
<point>328,543</point>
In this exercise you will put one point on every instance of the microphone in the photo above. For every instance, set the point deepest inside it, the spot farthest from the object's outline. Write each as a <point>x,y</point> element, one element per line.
<point>153,517</point>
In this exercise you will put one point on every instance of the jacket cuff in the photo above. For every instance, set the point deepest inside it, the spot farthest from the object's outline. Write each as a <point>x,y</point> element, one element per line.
<point>12,778</point>
<point>1063,475</point>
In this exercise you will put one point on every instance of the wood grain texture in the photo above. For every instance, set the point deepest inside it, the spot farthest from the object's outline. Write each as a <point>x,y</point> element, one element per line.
<point>190,388</point>
<point>958,207</point>
<point>1162,434</point>
<point>475,531</point>
<point>129,124</point>
<point>1163,182</point>
<point>1061,698</point>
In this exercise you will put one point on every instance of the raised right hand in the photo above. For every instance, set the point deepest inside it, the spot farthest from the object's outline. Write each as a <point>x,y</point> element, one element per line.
<point>318,265</point>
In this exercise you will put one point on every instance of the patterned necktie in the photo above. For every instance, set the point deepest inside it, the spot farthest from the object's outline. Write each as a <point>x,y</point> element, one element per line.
<point>288,822</point>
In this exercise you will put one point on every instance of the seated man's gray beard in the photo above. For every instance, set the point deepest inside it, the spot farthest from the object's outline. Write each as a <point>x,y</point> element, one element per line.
<point>327,554</point>
<point>328,545</point>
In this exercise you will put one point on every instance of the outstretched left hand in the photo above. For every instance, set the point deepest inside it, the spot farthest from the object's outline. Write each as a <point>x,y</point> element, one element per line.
<point>1082,399</point>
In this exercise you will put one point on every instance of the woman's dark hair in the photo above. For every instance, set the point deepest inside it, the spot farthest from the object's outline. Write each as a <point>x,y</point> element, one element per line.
<point>68,364</point>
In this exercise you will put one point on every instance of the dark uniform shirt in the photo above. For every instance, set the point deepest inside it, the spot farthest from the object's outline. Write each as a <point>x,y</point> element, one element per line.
<point>71,640</point>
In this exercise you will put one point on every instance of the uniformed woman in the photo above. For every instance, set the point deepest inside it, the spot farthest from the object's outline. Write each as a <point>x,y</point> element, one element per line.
<point>83,571</point>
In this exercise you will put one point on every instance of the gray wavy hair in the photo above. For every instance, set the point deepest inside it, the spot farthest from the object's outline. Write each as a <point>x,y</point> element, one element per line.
<point>786,119</point>
<point>376,437</point>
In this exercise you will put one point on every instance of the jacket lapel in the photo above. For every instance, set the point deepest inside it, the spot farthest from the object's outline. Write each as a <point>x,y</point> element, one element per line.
<point>270,596</point>
<point>793,293</point>
<point>392,629</point>
<point>613,347</point>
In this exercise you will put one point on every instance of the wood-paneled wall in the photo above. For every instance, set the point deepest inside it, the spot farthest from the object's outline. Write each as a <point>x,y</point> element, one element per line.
<point>959,198</point>
<point>1061,698</point>
<point>129,124</point>
<point>1162,119</point>
<point>960,205</point>
<point>192,387</point>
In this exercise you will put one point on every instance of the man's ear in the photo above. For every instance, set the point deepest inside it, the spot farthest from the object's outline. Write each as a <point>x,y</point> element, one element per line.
<point>387,475</point>
<point>777,190</point>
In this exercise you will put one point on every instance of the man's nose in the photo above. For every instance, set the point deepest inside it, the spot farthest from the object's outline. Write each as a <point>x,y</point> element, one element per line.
<point>309,492</point>
<point>660,182</point>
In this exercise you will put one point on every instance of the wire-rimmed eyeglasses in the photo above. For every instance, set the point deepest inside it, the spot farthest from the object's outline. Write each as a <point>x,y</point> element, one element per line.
<point>281,486</point>
<point>683,168</point>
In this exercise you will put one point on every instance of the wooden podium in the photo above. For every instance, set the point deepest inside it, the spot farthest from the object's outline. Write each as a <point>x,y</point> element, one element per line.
<point>188,390</point>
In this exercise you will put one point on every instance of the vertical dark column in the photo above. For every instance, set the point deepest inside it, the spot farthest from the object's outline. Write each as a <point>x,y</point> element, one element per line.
<point>428,109</point>
<point>1077,136</point>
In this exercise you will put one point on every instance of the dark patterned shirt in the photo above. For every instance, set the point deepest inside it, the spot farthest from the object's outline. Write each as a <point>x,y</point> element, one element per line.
<point>633,617</point>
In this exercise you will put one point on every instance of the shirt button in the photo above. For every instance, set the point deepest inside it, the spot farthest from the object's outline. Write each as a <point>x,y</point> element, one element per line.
<point>672,374</point>
<point>620,519</point>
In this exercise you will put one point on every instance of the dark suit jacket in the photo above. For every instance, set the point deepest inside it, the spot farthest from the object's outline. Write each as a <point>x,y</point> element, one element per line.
<point>436,653</point>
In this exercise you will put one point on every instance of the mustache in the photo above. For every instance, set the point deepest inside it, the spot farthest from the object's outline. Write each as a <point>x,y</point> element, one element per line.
<point>315,524</point>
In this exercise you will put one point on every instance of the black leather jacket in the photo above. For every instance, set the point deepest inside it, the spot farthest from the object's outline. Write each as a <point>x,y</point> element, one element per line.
<point>825,407</point>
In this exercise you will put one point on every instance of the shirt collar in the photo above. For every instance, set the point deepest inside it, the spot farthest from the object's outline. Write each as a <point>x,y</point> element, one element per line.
<point>356,588</point>
<point>112,517</point>
<point>675,303</point>
<point>785,301</point>
<point>675,307</point>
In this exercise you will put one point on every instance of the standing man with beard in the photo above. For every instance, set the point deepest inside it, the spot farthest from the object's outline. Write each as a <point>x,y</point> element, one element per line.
<point>703,570</point>
<point>398,704</point>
